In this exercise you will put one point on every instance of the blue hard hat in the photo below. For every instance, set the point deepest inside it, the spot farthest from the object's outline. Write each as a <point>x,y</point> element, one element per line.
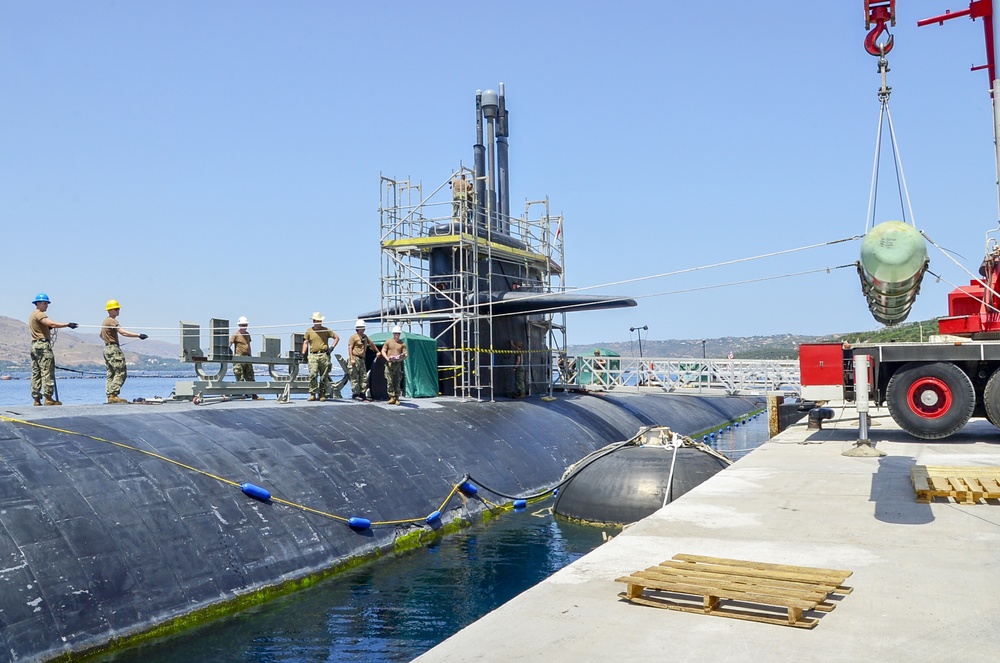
<point>41,297</point>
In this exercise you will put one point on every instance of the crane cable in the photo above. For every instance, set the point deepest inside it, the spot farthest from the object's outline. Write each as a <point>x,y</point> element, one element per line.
<point>884,115</point>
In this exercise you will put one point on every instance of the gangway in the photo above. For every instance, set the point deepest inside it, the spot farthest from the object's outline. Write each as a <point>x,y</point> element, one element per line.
<point>701,376</point>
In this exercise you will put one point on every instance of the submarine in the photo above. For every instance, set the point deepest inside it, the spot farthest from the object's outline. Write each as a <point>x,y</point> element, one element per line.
<point>119,524</point>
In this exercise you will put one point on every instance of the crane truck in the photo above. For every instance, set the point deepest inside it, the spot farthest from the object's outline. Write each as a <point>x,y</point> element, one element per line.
<point>931,388</point>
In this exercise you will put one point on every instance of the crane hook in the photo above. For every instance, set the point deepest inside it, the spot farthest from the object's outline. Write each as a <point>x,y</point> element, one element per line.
<point>870,40</point>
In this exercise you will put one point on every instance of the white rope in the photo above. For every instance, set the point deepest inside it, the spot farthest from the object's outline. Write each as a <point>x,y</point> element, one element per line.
<point>870,216</point>
<point>694,289</point>
<point>349,323</point>
<point>899,164</point>
<point>981,301</point>
<point>975,277</point>
<point>885,113</point>
<point>686,271</point>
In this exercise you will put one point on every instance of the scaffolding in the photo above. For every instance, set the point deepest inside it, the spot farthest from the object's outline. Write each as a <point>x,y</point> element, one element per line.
<point>446,262</point>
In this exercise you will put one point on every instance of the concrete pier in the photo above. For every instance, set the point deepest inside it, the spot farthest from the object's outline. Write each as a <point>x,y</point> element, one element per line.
<point>926,577</point>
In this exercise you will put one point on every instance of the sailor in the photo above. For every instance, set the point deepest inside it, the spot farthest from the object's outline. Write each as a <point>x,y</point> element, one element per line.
<point>600,366</point>
<point>43,362</point>
<point>520,385</point>
<point>358,345</point>
<point>314,343</point>
<point>394,353</point>
<point>114,358</point>
<point>240,342</point>
<point>461,197</point>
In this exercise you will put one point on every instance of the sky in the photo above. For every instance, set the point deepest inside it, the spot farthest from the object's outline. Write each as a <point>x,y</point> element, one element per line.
<point>202,160</point>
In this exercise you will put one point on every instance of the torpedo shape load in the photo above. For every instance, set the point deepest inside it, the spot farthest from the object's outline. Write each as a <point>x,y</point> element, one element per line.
<point>892,266</point>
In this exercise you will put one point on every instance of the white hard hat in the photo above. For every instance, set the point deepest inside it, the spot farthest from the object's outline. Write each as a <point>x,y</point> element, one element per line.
<point>397,330</point>
<point>317,317</point>
<point>360,323</point>
<point>243,320</point>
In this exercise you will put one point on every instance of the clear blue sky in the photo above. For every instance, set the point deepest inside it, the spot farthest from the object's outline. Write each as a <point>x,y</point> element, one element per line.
<point>217,159</point>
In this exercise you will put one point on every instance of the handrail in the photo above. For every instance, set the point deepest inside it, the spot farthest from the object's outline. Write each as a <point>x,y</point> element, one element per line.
<point>692,375</point>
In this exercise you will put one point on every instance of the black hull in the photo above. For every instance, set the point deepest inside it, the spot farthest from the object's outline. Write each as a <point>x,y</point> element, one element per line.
<point>100,542</point>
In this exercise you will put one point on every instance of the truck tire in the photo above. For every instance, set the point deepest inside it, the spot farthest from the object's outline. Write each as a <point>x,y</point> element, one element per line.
<point>991,398</point>
<point>930,400</point>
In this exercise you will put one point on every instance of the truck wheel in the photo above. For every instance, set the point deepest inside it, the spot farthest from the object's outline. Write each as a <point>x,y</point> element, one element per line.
<point>930,401</point>
<point>991,398</point>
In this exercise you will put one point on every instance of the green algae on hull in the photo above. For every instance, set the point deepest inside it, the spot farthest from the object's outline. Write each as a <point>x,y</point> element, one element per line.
<point>401,545</point>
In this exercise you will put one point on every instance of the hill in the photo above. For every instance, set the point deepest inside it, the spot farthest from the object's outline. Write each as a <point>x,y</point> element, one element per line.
<point>778,346</point>
<point>79,351</point>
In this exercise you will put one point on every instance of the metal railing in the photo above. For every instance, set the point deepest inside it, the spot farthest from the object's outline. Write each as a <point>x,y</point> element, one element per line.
<point>733,377</point>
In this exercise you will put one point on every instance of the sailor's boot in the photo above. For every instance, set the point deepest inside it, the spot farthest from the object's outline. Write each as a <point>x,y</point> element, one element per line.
<point>38,401</point>
<point>49,401</point>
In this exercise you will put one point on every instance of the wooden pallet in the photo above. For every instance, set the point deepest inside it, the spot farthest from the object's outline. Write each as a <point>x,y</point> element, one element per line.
<point>753,591</point>
<point>967,485</point>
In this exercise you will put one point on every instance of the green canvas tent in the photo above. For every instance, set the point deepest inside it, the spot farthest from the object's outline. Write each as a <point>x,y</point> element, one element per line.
<point>420,368</point>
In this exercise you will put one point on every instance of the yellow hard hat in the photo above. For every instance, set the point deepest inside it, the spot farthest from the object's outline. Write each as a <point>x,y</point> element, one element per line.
<point>112,303</point>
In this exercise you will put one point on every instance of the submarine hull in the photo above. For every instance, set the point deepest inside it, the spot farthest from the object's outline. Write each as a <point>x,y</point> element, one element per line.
<point>114,523</point>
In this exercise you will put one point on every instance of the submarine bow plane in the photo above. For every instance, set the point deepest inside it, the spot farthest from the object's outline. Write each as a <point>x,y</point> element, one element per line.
<point>483,263</point>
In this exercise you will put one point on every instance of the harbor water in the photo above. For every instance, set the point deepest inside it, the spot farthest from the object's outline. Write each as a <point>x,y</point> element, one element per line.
<point>395,608</point>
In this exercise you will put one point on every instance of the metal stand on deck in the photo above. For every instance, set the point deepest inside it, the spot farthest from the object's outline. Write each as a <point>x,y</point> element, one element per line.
<point>863,447</point>
<point>212,386</point>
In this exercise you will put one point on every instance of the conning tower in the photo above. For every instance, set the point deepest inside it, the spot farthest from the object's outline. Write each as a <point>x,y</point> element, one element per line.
<point>489,287</point>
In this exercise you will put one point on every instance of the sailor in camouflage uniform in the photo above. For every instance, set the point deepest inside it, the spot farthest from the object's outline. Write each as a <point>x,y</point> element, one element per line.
<point>43,362</point>
<point>357,347</point>
<point>394,353</point>
<point>114,358</point>
<point>314,342</point>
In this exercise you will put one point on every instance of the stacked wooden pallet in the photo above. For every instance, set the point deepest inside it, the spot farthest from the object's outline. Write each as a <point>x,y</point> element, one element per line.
<point>752,591</point>
<point>968,485</point>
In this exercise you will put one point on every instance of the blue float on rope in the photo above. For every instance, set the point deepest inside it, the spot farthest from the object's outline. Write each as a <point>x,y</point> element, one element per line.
<point>433,517</point>
<point>520,504</point>
<point>359,523</point>
<point>468,488</point>
<point>255,492</point>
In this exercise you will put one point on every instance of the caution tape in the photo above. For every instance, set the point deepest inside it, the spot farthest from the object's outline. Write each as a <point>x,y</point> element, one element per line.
<point>495,351</point>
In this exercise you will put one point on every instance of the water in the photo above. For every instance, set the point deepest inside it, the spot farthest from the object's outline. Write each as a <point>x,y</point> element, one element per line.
<point>89,389</point>
<point>393,609</point>
<point>740,440</point>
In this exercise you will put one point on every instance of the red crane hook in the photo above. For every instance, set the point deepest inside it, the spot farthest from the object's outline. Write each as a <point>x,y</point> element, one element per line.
<point>870,41</point>
<point>879,12</point>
